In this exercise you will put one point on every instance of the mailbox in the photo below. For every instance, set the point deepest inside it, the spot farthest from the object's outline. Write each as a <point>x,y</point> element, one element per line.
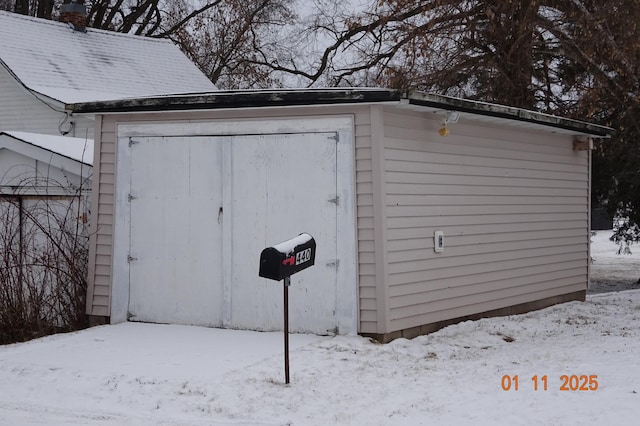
<point>288,257</point>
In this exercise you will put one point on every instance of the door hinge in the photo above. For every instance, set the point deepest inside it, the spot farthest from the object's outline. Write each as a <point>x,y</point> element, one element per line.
<point>131,258</point>
<point>335,200</point>
<point>131,197</point>
<point>132,142</point>
<point>335,263</point>
<point>336,137</point>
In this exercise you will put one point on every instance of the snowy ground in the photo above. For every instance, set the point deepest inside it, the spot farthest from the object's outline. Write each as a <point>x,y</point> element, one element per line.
<point>610,272</point>
<point>144,374</point>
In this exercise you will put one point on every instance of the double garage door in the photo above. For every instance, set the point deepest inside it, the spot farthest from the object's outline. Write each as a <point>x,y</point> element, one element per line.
<point>201,209</point>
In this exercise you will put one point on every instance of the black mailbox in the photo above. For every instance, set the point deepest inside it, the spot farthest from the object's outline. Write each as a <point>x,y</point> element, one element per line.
<point>288,257</point>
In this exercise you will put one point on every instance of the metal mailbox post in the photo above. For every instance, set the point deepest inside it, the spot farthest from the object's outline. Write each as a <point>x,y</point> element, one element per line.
<point>279,263</point>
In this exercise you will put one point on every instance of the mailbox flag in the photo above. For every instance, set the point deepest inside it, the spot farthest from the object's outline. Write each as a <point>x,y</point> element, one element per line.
<point>289,261</point>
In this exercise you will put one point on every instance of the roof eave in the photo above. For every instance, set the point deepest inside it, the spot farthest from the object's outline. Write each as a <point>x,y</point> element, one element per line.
<point>511,113</point>
<point>47,158</point>
<point>310,97</point>
<point>49,100</point>
<point>238,99</point>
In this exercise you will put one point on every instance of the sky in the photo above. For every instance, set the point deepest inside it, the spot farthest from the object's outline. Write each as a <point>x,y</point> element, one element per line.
<point>464,374</point>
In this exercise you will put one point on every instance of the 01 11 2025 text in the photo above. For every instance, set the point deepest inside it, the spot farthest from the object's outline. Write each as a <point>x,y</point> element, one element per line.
<point>568,382</point>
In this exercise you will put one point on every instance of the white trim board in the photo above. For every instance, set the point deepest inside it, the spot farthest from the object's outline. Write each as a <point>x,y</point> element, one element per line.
<point>239,127</point>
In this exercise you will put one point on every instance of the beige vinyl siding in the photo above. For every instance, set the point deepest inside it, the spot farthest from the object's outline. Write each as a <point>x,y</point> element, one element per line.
<point>367,290</point>
<point>101,239</point>
<point>100,266</point>
<point>513,208</point>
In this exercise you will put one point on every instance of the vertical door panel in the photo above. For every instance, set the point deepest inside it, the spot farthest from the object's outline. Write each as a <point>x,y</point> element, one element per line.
<point>175,236</point>
<point>281,186</point>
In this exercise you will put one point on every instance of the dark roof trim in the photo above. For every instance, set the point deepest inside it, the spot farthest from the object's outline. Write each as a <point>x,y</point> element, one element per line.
<point>501,111</point>
<point>12,136</point>
<point>309,97</point>
<point>239,99</point>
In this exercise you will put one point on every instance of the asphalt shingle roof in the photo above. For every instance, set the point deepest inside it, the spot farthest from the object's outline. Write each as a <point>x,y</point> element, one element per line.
<point>70,66</point>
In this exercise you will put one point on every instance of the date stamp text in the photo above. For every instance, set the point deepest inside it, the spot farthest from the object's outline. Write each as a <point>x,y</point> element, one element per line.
<point>567,382</point>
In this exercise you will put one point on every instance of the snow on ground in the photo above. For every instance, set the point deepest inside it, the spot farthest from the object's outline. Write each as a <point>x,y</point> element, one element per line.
<point>610,272</point>
<point>146,374</point>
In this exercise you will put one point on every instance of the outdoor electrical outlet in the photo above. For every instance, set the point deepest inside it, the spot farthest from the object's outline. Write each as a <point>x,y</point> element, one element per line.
<point>438,241</point>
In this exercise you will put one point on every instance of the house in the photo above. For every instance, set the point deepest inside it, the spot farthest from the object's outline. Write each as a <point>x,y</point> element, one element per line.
<point>46,152</point>
<point>45,181</point>
<point>425,209</point>
<point>47,65</point>
<point>36,164</point>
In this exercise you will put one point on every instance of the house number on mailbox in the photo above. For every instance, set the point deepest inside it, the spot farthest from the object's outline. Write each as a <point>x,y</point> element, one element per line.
<point>300,258</point>
<point>303,256</point>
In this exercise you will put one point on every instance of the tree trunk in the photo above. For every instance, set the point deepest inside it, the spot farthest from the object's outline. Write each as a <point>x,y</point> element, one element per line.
<point>45,9</point>
<point>511,31</point>
<point>22,7</point>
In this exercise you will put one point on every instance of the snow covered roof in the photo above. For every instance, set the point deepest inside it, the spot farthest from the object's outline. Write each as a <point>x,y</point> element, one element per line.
<point>69,66</point>
<point>78,149</point>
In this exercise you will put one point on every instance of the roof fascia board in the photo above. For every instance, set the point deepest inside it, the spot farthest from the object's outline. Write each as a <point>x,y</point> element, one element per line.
<point>239,99</point>
<point>52,102</point>
<point>246,99</point>
<point>43,155</point>
<point>506,112</point>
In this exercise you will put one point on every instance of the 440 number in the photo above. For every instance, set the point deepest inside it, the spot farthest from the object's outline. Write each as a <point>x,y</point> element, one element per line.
<point>571,382</point>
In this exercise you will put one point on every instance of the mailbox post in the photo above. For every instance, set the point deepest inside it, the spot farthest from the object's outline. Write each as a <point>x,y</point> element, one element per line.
<point>279,263</point>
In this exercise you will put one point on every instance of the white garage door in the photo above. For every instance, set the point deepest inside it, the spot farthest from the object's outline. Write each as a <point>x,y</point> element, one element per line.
<point>176,235</point>
<point>283,185</point>
<point>202,209</point>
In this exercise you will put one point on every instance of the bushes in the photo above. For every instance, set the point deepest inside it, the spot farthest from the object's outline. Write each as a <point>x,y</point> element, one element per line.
<point>43,262</point>
<point>625,233</point>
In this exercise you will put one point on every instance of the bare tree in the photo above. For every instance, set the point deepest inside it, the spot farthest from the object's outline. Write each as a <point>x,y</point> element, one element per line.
<point>602,43</point>
<point>224,41</point>
<point>577,58</point>
<point>145,17</point>
<point>43,260</point>
<point>456,47</point>
<point>223,37</point>
<point>141,17</point>
<point>39,8</point>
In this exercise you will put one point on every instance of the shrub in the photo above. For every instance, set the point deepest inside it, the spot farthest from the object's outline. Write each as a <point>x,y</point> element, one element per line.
<point>43,261</point>
<point>625,233</point>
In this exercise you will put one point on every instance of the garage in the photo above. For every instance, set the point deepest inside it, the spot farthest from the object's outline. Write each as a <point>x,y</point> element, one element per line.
<point>197,210</point>
<point>426,209</point>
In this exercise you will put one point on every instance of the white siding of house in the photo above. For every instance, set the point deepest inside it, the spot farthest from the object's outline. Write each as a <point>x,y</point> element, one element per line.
<point>101,247</point>
<point>22,111</point>
<point>513,206</point>
<point>36,177</point>
<point>52,196</point>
